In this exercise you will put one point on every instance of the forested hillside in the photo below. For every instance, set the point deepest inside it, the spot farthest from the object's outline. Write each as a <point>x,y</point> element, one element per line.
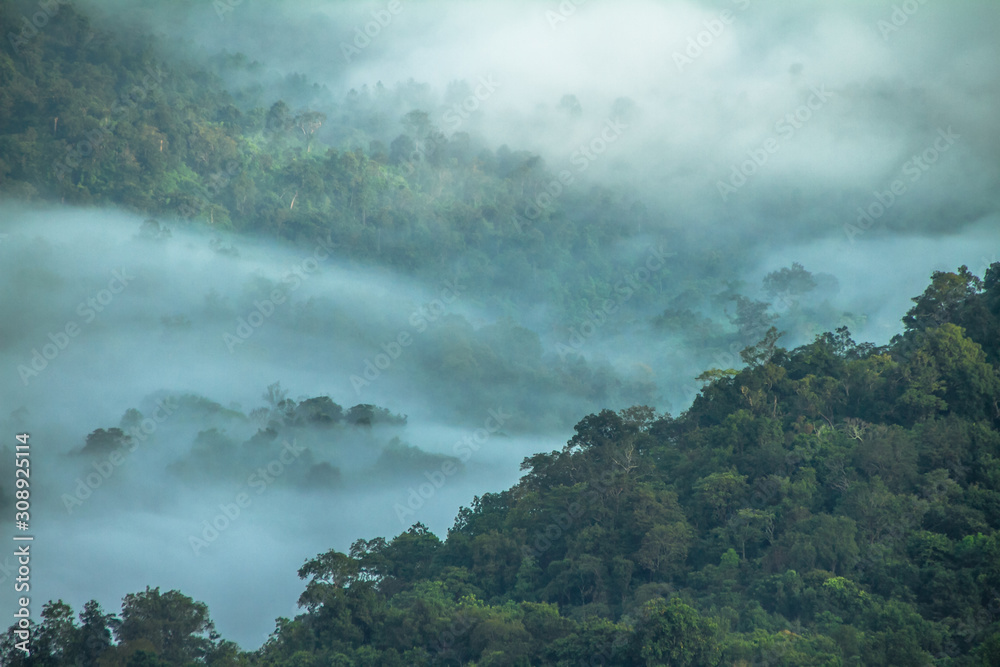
<point>815,500</point>
<point>90,118</point>
<point>838,503</point>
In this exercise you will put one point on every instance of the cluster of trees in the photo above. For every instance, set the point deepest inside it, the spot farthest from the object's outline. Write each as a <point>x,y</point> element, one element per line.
<point>838,503</point>
<point>835,503</point>
<point>328,435</point>
<point>89,117</point>
<point>154,629</point>
<point>792,299</point>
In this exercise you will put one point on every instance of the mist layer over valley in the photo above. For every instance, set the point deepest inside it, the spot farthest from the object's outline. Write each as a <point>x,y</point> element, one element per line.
<point>272,283</point>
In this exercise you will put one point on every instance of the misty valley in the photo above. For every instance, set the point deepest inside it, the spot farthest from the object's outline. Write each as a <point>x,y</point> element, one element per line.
<point>438,333</point>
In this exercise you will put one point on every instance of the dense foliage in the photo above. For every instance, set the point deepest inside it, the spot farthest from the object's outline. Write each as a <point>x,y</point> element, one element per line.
<point>833,504</point>
<point>95,118</point>
<point>89,117</point>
